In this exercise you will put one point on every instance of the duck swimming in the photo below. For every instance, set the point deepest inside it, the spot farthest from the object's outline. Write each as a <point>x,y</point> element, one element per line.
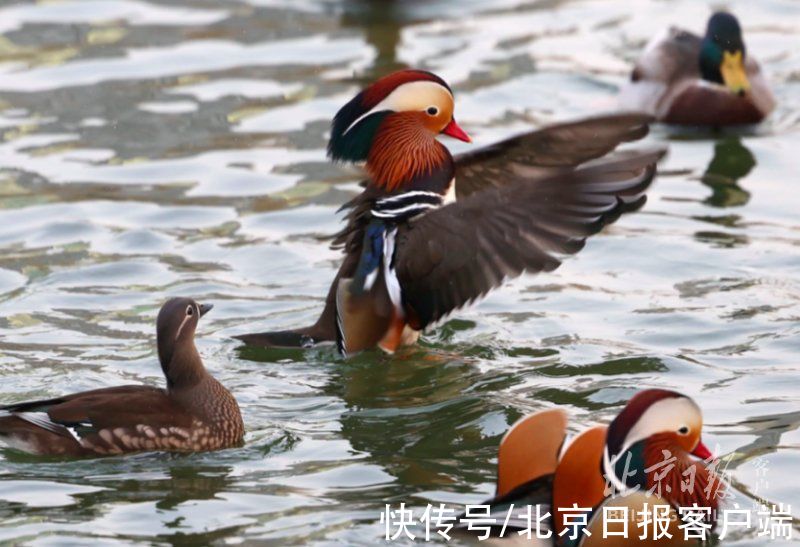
<point>193,413</point>
<point>685,79</point>
<point>608,466</point>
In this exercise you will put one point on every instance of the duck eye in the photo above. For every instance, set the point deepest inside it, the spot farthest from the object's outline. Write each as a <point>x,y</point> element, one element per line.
<point>684,430</point>
<point>432,111</point>
<point>189,310</point>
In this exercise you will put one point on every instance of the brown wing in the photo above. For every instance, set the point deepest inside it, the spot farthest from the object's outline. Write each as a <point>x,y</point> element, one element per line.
<point>103,421</point>
<point>544,152</point>
<point>124,406</point>
<point>454,255</point>
<point>525,158</point>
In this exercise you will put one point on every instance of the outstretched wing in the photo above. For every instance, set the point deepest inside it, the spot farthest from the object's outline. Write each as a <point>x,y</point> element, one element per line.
<point>545,152</point>
<point>452,256</point>
<point>549,154</point>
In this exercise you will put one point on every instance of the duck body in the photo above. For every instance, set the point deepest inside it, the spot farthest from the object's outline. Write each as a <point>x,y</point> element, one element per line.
<point>431,233</point>
<point>685,79</point>
<point>537,466</point>
<point>194,413</point>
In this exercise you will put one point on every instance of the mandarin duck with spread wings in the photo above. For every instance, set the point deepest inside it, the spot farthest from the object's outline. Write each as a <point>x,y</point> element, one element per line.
<point>417,245</point>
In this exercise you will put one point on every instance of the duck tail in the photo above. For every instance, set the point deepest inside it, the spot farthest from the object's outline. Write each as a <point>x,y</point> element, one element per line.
<point>295,338</point>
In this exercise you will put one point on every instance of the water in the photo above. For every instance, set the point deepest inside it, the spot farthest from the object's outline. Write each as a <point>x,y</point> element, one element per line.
<point>177,148</point>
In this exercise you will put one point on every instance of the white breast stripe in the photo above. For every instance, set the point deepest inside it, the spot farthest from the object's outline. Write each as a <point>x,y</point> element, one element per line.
<point>407,195</point>
<point>450,196</point>
<point>394,213</point>
<point>370,279</point>
<point>342,341</point>
<point>392,283</point>
<point>406,205</point>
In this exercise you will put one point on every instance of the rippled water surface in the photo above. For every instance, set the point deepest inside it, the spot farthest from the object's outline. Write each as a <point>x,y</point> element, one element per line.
<point>177,148</point>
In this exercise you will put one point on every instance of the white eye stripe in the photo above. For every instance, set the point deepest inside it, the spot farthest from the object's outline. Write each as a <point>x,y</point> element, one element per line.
<point>665,415</point>
<point>410,96</point>
<point>185,319</point>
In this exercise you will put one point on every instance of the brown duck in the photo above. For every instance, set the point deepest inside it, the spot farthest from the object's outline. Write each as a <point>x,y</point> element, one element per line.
<point>419,245</point>
<point>194,413</point>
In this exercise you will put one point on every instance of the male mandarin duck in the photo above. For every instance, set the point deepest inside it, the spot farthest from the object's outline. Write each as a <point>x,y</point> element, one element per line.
<point>413,254</point>
<point>536,466</point>
<point>194,413</point>
<point>684,79</point>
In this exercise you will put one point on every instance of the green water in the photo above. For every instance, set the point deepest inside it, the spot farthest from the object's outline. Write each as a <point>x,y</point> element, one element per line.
<point>169,148</point>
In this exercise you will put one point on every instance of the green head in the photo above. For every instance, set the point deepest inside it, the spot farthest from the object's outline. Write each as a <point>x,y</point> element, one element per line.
<point>722,54</point>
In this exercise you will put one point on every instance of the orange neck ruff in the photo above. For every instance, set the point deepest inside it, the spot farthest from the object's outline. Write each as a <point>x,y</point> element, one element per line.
<point>403,150</point>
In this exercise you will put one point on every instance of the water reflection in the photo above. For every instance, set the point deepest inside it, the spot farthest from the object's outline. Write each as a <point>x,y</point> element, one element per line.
<point>422,416</point>
<point>732,162</point>
<point>382,22</point>
<point>754,467</point>
<point>192,483</point>
<point>768,431</point>
<point>186,494</point>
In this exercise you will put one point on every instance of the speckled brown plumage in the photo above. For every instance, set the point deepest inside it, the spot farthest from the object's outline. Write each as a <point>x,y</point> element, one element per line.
<point>194,413</point>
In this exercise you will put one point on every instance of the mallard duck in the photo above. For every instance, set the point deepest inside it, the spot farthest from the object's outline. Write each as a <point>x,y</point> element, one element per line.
<point>418,246</point>
<point>685,79</point>
<point>194,413</point>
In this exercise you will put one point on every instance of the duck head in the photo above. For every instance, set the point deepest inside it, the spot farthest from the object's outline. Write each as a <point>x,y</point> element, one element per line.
<point>175,328</point>
<point>722,54</point>
<point>392,126</point>
<point>653,444</point>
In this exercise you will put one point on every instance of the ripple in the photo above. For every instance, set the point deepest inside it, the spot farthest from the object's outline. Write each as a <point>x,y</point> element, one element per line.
<point>43,493</point>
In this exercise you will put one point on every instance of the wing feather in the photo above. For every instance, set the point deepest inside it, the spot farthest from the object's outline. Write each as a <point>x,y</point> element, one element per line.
<point>450,257</point>
<point>542,153</point>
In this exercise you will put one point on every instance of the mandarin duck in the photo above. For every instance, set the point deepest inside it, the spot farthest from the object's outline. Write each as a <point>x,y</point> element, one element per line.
<point>684,79</point>
<point>413,253</point>
<point>194,413</point>
<point>645,456</point>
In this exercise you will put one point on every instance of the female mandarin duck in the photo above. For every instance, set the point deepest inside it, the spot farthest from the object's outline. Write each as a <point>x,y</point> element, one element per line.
<point>682,78</point>
<point>194,413</point>
<point>411,255</point>
<point>537,467</point>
